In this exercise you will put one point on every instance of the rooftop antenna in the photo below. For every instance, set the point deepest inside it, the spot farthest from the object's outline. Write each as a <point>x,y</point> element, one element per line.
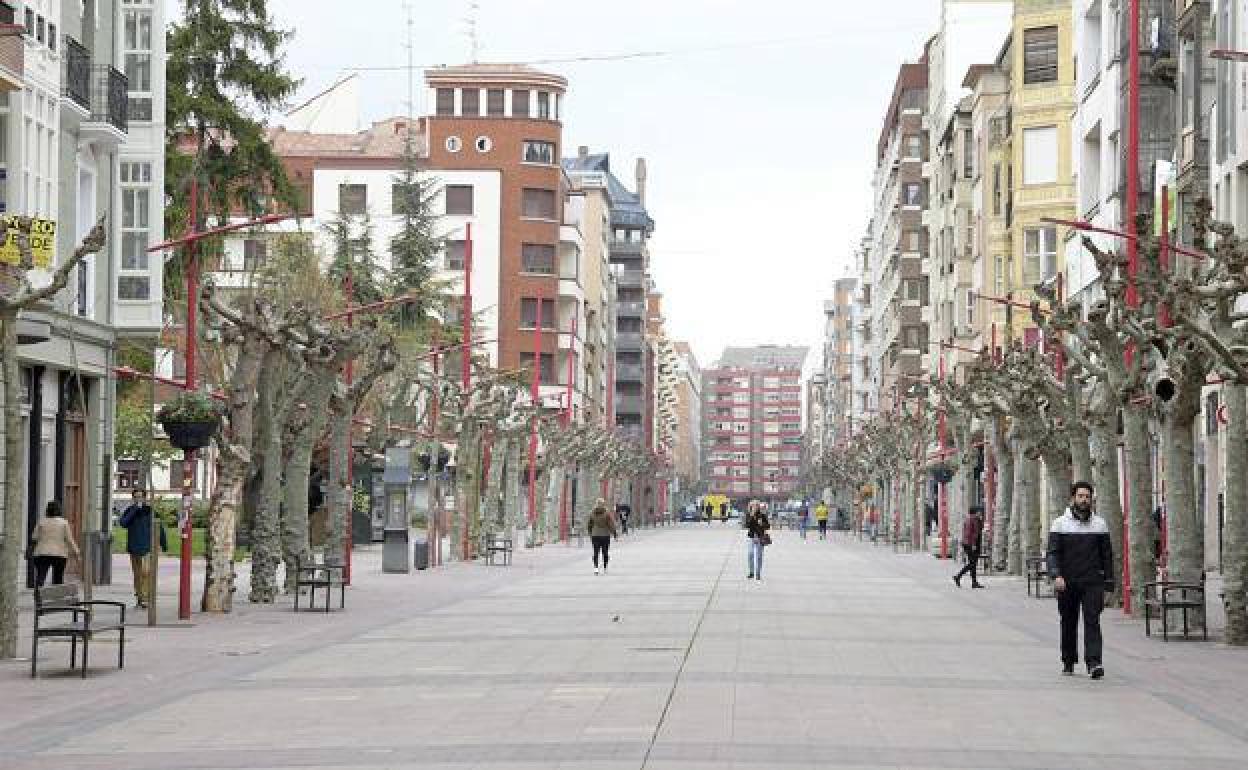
<point>474,39</point>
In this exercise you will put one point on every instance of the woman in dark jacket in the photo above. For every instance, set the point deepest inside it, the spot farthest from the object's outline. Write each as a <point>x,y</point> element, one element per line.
<point>601,527</point>
<point>756,526</point>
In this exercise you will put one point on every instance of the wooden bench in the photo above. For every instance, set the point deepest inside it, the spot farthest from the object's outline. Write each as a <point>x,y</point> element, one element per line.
<point>1038,574</point>
<point>494,545</point>
<point>81,622</point>
<point>1164,595</point>
<point>320,575</point>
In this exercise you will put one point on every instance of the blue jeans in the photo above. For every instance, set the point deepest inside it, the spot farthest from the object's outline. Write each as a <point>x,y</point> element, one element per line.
<point>754,557</point>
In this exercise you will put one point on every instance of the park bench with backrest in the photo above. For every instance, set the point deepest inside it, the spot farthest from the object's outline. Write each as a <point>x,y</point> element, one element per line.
<point>1164,595</point>
<point>1037,572</point>
<point>494,546</point>
<point>328,575</point>
<point>61,613</point>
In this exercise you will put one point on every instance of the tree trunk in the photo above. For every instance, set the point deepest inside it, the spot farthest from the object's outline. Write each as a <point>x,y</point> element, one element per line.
<point>1185,525</point>
<point>466,474</point>
<point>295,546</point>
<point>550,503</point>
<point>1018,504</point>
<point>1004,482</point>
<point>1104,455</point>
<point>1057,468</point>
<point>1139,503</point>
<point>266,528</point>
<point>340,497</point>
<point>233,469</point>
<point>493,507</point>
<point>1235,528</point>
<point>513,505</point>
<point>14,481</point>
<point>1080,452</point>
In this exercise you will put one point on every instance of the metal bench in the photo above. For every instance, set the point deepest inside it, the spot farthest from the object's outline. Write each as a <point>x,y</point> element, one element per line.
<point>81,622</point>
<point>320,575</point>
<point>493,546</point>
<point>1164,595</point>
<point>1038,574</point>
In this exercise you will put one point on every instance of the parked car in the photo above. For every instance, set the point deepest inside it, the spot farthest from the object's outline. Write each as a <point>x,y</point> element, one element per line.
<point>690,513</point>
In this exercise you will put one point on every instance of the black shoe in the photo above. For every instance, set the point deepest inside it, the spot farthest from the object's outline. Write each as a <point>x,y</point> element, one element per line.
<point>750,576</point>
<point>1096,672</point>
<point>758,576</point>
<point>957,580</point>
<point>977,585</point>
<point>1068,669</point>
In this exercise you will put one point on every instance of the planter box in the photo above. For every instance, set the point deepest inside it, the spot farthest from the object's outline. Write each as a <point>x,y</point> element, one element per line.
<point>190,435</point>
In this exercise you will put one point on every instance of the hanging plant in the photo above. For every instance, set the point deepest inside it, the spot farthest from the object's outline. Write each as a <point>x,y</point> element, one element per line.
<point>942,471</point>
<point>190,420</point>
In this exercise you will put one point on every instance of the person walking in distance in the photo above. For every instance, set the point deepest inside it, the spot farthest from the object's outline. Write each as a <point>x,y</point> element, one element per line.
<point>52,543</point>
<point>803,518</point>
<point>137,519</point>
<point>821,518</point>
<point>601,527</point>
<point>972,535</point>
<point>756,527</point>
<point>1081,564</point>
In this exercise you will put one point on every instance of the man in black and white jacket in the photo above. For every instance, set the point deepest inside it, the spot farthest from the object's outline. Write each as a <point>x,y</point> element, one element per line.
<point>1081,563</point>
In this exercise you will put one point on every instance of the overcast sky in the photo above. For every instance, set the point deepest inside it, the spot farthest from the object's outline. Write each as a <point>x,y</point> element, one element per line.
<point>758,131</point>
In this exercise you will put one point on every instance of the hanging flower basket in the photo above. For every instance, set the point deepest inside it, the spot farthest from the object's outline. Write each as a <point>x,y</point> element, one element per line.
<point>190,420</point>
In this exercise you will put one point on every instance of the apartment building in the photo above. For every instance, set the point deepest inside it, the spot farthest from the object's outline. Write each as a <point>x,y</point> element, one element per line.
<point>991,198</point>
<point>82,137</point>
<point>752,418</point>
<point>898,264</point>
<point>833,387</point>
<point>687,447</point>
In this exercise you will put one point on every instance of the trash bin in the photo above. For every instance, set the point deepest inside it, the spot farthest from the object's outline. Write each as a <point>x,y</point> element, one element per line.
<point>420,554</point>
<point>100,546</point>
<point>361,528</point>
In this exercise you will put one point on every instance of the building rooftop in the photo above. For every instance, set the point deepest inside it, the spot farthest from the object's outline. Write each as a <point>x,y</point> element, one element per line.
<point>622,199</point>
<point>501,72</point>
<point>384,139</point>
<point>764,357</point>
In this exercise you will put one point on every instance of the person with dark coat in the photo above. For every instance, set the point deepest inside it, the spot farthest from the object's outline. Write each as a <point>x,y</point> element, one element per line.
<point>601,526</point>
<point>756,526</point>
<point>1081,563</point>
<point>137,519</point>
<point>972,541</point>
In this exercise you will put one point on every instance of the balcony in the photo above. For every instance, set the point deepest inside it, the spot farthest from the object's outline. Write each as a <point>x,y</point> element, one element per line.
<point>77,88</point>
<point>628,373</point>
<point>630,279</point>
<point>630,309</point>
<point>110,103</point>
<point>628,404</point>
<point>628,341</point>
<point>12,57</point>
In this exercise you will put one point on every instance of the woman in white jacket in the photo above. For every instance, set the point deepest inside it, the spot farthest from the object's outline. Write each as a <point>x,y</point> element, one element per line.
<point>54,543</point>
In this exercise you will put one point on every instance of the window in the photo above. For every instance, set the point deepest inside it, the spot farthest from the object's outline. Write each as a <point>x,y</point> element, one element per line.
<point>1040,55</point>
<point>129,474</point>
<point>446,101</point>
<point>454,144</point>
<point>543,105</point>
<point>1211,414</point>
<point>6,13</point>
<point>1039,254</point>
<point>454,259</point>
<point>968,154</point>
<point>133,280</point>
<point>40,29</point>
<point>177,475</point>
<point>495,102</point>
<point>1040,155</point>
<point>528,313</point>
<point>520,103</point>
<point>30,22</point>
<point>914,147</point>
<point>471,106</point>
<point>996,189</point>
<point>913,194</point>
<point>484,144</point>
<point>137,52</point>
<point>539,152</point>
<point>254,253</point>
<point>538,258</point>
<point>913,240</point>
<point>998,278</point>
<point>352,200</point>
<point>538,204</point>
<point>459,200</point>
<point>547,374</point>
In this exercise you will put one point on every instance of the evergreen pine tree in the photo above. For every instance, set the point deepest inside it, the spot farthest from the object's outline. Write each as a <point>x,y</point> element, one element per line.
<point>416,247</point>
<point>352,237</point>
<point>225,73</point>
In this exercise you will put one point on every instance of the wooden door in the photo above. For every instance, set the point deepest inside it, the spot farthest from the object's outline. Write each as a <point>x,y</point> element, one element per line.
<point>75,464</point>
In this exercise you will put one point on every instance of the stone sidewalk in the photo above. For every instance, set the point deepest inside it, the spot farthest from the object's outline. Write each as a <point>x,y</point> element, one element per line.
<point>844,656</point>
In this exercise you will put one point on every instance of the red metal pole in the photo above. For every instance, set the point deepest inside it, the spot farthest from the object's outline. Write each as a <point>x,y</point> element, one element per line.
<point>189,458</point>
<point>465,366</point>
<point>943,488</point>
<point>535,397</point>
<point>567,420</point>
<point>349,376</point>
<point>434,519</point>
<point>1133,146</point>
<point>1126,532</point>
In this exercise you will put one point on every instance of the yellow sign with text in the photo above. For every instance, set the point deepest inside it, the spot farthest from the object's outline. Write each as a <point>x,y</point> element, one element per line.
<point>42,244</point>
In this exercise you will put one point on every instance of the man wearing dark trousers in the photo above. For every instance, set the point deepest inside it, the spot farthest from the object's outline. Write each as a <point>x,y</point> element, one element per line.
<point>972,534</point>
<point>1081,563</point>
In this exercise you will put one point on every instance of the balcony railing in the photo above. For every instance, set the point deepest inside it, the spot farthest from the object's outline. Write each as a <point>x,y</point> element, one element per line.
<point>632,248</point>
<point>628,405</point>
<point>628,373</point>
<point>630,279</point>
<point>628,341</point>
<point>110,97</point>
<point>630,309</point>
<point>77,73</point>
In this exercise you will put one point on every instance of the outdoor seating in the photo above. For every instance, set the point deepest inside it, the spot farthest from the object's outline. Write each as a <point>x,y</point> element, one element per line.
<point>82,623</point>
<point>493,546</point>
<point>1038,575</point>
<point>325,575</point>
<point>1164,595</point>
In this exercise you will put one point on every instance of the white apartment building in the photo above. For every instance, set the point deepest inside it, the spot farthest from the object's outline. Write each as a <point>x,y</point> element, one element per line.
<point>82,137</point>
